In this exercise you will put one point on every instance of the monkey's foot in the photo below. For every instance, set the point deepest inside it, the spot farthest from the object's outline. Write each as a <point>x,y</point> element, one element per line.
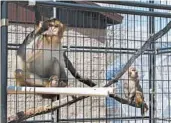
<point>53,81</point>
<point>62,84</point>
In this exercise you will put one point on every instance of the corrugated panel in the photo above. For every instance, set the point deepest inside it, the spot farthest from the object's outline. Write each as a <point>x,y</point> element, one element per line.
<point>18,13</point>
<point>22,13</point>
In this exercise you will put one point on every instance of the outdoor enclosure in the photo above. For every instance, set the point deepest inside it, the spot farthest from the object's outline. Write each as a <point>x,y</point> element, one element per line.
<point>102,40</point>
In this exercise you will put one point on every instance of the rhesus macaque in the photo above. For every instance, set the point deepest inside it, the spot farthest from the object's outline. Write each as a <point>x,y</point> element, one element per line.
<point>131,84</point>
<point>133,91</point>
<point>40,59</point>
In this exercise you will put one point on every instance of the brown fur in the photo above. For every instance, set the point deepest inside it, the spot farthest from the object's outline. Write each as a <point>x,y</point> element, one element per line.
<point>131,84</point>
<point>133,91</point>
<point>49,41</point>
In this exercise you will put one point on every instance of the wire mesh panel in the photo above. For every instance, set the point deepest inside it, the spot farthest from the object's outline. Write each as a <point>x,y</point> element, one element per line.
<point>99,44</point>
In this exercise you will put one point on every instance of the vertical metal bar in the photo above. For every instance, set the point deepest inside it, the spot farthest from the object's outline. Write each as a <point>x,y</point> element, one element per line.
<point>4,40</point>
<point>55,113</point>
<point>152,70</point>
<point>54,10</point>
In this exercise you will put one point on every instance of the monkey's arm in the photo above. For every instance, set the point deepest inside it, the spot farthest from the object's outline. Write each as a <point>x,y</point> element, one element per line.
<point>75,73</point>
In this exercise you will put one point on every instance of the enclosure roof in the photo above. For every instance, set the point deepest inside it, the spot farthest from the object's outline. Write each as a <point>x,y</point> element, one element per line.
<point>117,18</point>
<point>20,12</point>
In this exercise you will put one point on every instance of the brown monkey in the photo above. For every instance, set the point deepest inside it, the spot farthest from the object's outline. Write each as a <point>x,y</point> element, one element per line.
<point>131,84</point>
<point>139,100</point>
<point>43,64</point>
<point>133,91</point>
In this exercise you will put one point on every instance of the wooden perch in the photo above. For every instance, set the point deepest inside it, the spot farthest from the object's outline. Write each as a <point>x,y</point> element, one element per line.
<point>124,101</point>
<point>23,115</point>
<point>101,91</point>
<point>73,71</point>
<point>145,46</point>
<point>55,105</point>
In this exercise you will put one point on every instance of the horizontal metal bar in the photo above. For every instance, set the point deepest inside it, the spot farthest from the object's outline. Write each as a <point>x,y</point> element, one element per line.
<point>163,52</point>
<point>95,51</point>
<point>106,118</point>
<point>91,47</point>
<point>103,9</point>
<point>107,48</point>
<point>164,119</point>
<point>138,4</point>
<point>166,48</point>
<point>37,121</point>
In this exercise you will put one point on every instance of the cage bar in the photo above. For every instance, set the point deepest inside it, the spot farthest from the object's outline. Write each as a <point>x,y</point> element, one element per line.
<point>4,41</point>
<point>105,9</point>
<point>138,4</point>
<point>98,53</point>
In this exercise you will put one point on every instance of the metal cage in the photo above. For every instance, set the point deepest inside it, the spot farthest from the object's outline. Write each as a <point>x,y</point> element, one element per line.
<point>102,39</point>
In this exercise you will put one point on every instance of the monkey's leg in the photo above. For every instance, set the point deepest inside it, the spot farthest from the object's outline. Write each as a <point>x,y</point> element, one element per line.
<point>58,74</point>
<point>29,79</point>
<point>126,93</point>
<point>131,95</point>
<point>58,69</point>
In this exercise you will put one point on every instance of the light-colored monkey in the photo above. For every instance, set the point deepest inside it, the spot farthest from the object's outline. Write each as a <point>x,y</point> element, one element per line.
<point>131,84</point>
<point>40,60</point>
<point>133,90</point>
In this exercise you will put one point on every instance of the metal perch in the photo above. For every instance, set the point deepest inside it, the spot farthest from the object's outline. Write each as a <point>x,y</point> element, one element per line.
<point>101,91</point>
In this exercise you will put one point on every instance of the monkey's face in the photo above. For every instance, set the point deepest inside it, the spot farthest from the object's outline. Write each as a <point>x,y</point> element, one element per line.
<point>133,73</point>
<point>54,28</point>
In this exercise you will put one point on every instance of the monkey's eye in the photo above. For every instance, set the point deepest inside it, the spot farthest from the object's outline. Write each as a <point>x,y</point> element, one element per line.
<point>50,25</point>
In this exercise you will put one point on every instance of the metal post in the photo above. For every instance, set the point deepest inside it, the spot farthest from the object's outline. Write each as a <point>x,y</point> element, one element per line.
<point>4,40</point>
<point>152,65</point>
<point>55,114</point>
<point>54,10</point>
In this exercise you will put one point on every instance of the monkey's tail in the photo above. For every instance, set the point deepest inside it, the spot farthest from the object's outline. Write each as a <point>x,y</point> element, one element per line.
<point>73,71</point>
<point>144,108</point>
<point>142,111</point>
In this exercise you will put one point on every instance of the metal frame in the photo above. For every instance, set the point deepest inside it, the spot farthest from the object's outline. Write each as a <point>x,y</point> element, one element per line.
<point>152,60</point>
<point>151,51</point>
<point>104,9</point>
<point>138,4</point>
<point>4,40</point>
